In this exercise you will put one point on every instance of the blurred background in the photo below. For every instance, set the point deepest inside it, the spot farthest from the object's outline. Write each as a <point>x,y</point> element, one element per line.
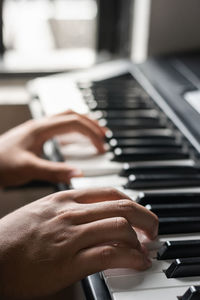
<point>47,36</point>
<point>57,35</point>
<point>42,37</point>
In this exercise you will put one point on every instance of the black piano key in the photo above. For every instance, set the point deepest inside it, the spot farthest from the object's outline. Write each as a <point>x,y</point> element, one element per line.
<point>125,143</point>
<point>193,293</point>
<point>130,114</point>
<point>122,79</point>
<point>184,267</point>
<point>171,198</point>
<point>181,249</point>
<point>148,154</point>
<point>157,169</point>
<point>133,124</point>
<point>158,181</point>
<point>179,225</point>
<point>116,85</point>
<point>112,98</point>
<point>118,106</point>
<point>175,210</point>
<point>141,134</point>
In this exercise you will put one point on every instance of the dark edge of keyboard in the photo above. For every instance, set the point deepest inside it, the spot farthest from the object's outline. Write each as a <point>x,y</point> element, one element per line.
<point>169,84</point>
<point>95,288</point>
<point>93,285</point>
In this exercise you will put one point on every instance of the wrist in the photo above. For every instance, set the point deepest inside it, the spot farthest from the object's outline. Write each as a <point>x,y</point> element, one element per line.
<point>5,250</point>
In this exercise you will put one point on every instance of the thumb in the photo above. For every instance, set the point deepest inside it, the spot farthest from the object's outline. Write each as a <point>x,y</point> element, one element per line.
<point>54,171</point>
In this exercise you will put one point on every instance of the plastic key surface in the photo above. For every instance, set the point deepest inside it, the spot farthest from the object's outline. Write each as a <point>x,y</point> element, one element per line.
<point>193,293</point>
<point>175,210</point>
<point>184,267</point>
<point>159,181</point>
<point>170,198</point>
<point>181,249</point>
<point>179,225</point>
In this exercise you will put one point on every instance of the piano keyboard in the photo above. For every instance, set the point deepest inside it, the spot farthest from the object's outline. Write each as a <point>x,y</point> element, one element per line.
<point>153,162</point>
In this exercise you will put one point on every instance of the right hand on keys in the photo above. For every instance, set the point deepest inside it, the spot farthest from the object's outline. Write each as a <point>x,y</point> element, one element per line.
<point>55,241</point>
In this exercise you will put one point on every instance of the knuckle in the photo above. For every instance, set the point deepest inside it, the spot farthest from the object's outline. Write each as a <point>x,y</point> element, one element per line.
<point>106,256</point>
<point>57,197</point>
<point>36,126</point>
<point>155,224</point>
<point>127,206</point>
<point>117,194</point>
<point>121,223</point>
<point>63,197</point>
<point>76,119</point>
<point>67,215</point>
<point>113,192</point>
<point>70,111</point>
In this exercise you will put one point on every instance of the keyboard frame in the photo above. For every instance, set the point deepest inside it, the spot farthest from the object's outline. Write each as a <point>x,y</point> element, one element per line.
<point>94,286</point>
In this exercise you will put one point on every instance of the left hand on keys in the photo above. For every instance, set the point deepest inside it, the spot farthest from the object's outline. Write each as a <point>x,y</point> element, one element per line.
<point>21,147</point>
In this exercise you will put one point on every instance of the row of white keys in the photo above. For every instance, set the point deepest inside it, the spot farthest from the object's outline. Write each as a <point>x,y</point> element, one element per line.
<point>152,294</point>
<point>146,281</point>
<point>153,247</point>
<point>128,282</point>
<point>79,152</point>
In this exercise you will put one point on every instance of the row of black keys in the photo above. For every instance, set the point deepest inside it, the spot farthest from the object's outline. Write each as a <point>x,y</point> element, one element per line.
<point>183,218</point>
<point>184,253</point>
<point>178,212</point>
<point>188,251</point>
<point>188,262</point>
<point>140,132</point>
<point>193,293</point>
<point>133,141</point>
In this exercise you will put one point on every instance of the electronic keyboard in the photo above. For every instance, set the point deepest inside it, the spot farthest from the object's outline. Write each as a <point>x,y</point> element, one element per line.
<point>152,112</point>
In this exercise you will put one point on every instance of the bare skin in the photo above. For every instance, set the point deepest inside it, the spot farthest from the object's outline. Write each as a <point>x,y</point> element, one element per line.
<point>21,148</point>
<point>55,241</point>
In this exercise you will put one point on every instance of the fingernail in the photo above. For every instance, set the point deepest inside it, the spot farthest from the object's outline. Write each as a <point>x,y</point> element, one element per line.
<point>75,173</point>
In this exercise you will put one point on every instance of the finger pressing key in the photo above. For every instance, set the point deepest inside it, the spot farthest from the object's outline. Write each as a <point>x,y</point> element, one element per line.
<point>104,257</point>
<point>135,214</point>
<point>112,230</point>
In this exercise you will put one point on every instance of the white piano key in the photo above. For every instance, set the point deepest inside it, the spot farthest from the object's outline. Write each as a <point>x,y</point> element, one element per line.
<point>156,244</point>
<point>96,181</point>
<point>100,171</point>
<point>157,267</point>
<point>152,294</point>
<point>80,153</point>
<point>118,277</point>
<point>84,156</point>
<point>63,92</point>
<point>146,281</point>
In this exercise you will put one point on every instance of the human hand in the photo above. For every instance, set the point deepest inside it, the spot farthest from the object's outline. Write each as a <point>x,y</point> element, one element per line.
<point>55,241</point>
<point>21,147</point>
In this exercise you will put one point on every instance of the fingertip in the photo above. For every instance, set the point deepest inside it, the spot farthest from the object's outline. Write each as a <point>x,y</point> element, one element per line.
<point>147,263</point>
<point>75,173</point>
<point>101,149</point>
